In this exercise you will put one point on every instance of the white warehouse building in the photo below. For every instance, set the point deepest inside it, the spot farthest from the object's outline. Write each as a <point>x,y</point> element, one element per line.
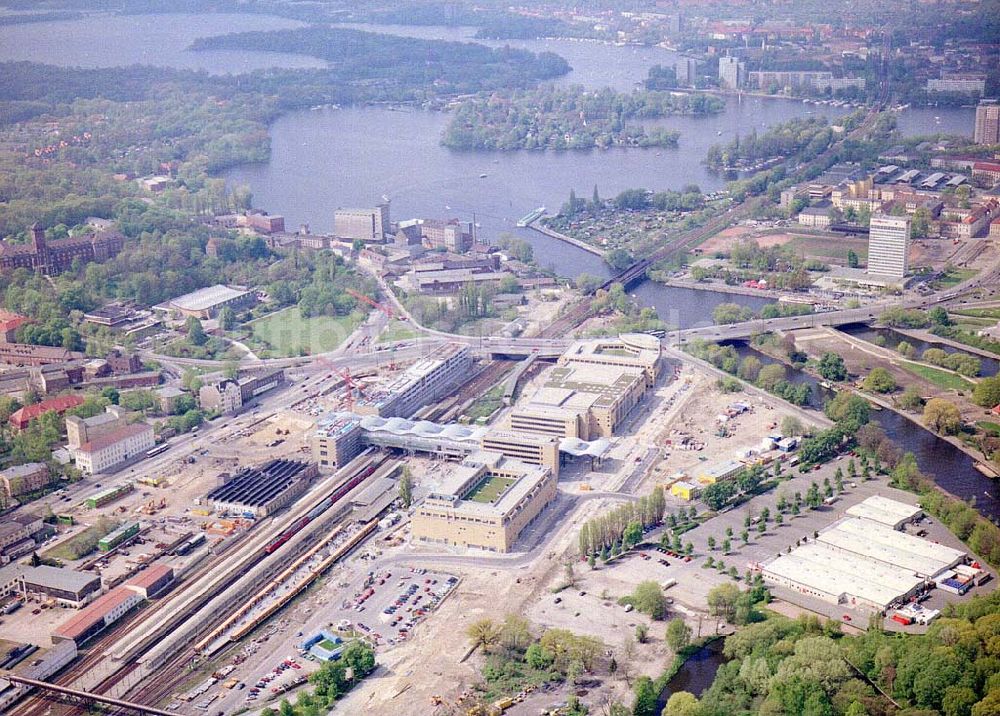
<point>862,561</point>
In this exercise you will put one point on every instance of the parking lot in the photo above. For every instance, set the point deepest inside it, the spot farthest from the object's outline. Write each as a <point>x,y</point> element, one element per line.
<point>389,603</point>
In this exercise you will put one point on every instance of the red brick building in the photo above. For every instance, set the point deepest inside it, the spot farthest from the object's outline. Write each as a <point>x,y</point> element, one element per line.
<point>52,257</point>
<point>21,418</point>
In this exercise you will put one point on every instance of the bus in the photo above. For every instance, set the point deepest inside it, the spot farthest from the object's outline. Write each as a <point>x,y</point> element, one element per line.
<point>162,447</point>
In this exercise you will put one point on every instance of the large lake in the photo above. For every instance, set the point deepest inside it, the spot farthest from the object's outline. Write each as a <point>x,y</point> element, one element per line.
<point>350,157</point>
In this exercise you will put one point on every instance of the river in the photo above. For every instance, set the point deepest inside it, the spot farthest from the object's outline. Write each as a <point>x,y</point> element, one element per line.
<point>949,467</point>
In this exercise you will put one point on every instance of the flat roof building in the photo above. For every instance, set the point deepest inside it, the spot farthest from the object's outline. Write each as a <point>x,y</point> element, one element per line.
<point>884,511</point>
<point>592,390</point>
<point>485,503</point>
<point>207,302</point>
<point>66,586</point>
<point>888,245</point>
<point>426,381</point>
<point>877,543</point>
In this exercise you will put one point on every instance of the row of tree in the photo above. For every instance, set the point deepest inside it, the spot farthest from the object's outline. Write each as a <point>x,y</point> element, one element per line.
<point>624,525</point>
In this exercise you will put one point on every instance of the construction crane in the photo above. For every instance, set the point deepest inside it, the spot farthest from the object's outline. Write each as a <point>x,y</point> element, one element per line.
<point>372,302</point>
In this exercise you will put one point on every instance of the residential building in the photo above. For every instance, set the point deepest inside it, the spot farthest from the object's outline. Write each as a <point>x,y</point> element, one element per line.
<point>230,396</point>
<point>22,417</point>
<point>963,83</point>
<point>791,79</point>
<point>686,69</point>
<point>368,225</point>
<point>206,303</point>
<point>987,129</point>
<point>983,172</point>
<point>168,397</point>
<point>731,72</point>
<point>56,256</point>
<point>114,448</point>
<point>22,479</point>
<point>426,381</point>
<point>123,363</point>
<point>816,217</point>
<point>485,503</point>
<point>835,84</point>
<point>80,430</point>
<point>888,245</point>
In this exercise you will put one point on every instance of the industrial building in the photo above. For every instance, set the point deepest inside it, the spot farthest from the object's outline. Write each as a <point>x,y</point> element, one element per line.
<point>207,302</point>
<point>103,611</point>
<point>592,390</point>
<point>151,581</point>
<point>863,562</point>
<point>66,586</point>
<point>884,511</point>
<point>261,491</point>
<point>426,381</point>
<point>367,225</point>
<point>485,503</point>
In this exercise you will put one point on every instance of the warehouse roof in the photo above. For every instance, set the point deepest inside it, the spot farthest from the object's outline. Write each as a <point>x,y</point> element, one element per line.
<point>884,511</point>
<point>877,541</point>
<point>56,578</point>
<point>817,567</point>
<point>205,298</point>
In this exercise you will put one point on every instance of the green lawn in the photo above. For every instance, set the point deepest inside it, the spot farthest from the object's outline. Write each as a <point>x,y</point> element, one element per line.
<point>978,312</point>
<point>328,645</point>
<point>82,543</point>
<point>940,378</point>
<point>989,427</point>
<point>397,331</point>
<point>953,277</point>
<point>490,489</point>
<point>287,333</point>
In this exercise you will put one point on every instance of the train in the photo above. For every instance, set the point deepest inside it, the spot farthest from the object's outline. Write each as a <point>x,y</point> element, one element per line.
<point>190,544</point>
<point>366,470</point>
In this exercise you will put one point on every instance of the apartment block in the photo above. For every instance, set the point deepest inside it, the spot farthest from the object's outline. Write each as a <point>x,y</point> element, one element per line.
<point>888,245</point>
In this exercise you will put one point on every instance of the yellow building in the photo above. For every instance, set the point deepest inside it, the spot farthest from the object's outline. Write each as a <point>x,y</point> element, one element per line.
<point>485,503</point>
<point>529,448</point>
<point>684,490</point>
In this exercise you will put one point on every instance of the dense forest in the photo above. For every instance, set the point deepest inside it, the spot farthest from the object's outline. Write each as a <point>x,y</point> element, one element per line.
<point>784,666</point>
<point>568,118</point>
<point>400,67</point>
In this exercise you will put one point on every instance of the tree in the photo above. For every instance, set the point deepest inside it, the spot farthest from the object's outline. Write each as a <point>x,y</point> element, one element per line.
<point>879,380</point>
<point>619,259</point>
<point>942,416</point>
<point>633,534</point>
<point>749,369</point>
<point>939,316</point>
<point>848,410</point>
<point>406,488</point>
<point>910,399</point>
<point>678,634</point>
<point>641,632</point>
<point>831,367</point>
<point>727,546</point>
<point>195,333</point>
<point>645,697</point>
<point>483,632</point>
<point>515,633</point>
<point>588,283</point>
<point>726,313</point>
<point>227,318</point>
<point>852,259</point>
<point>770,376</point>
<point>648,599</point>
<point>681,703</point>
<point>722,600</point>
<point>906,349</point>
<point>791,425</point>
<point>987,392</point>
<point>711,542</point>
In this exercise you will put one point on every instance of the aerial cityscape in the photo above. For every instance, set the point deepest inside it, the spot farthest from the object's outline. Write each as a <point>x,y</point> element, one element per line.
<point>451,358</point>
